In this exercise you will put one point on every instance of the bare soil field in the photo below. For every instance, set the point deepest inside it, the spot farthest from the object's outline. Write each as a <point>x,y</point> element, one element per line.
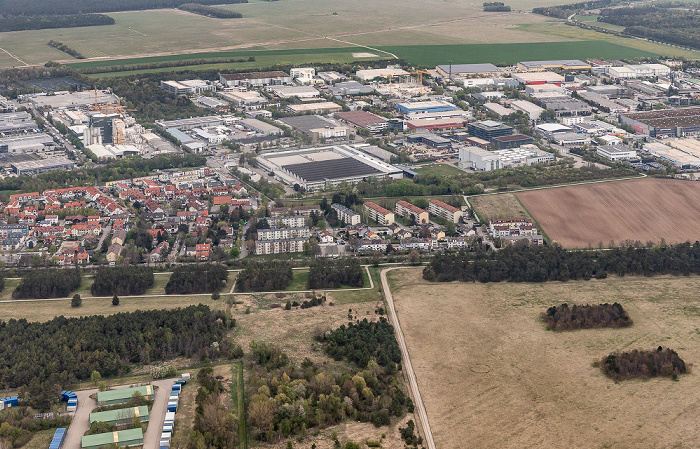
<point>505,205</point>
<point>492,376</point>
<point>599,214</point>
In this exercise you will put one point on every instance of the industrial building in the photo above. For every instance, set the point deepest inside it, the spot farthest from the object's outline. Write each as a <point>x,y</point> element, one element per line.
<point>301,92</point>
<point>261,127</point>
<point>616,153</point>
<point>323,107</point>
<point>536,78</point>
<point>422,107</point>
<point>480,159</point>
<point>26,143</point>
<point>121,416</point>
<point>638,71</point>
<point>512,141</point>
<point>680,159</point>
<point>488,129</point>
<point>362,119</point>
<point>186,87</point>
<point>350,88</point>
<point>436,124</point>
<point>123,395</point>
<point>248,99</point>
<point>316,127</point>
<point>444,211</point>
<point>498,109</point>
<point>531,109</point>
<point>379,214</point>
<point>16,122</point>
<point>664,123</point>
<point>370,74</point>
<point>567,106</point>
<point>316,168</point>
<point>256,79</point>
<point>464,70</point>
<point>113,151</point>
<point>187,124</point>
<point>122,438</point>
<point>560,64</point>
<point>406,209</point>
<point>303,75</point>
<point>431,140</point>
<point>346,215</point>
<point>41,166</point>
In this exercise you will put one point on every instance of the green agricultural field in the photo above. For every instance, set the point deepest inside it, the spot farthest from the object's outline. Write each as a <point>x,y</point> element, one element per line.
<point>506,54</point>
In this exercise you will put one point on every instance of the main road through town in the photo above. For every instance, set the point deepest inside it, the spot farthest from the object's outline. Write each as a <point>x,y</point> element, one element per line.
<point>412,382</point>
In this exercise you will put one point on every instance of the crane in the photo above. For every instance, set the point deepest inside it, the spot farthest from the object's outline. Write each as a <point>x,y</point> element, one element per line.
<point>420,77</point>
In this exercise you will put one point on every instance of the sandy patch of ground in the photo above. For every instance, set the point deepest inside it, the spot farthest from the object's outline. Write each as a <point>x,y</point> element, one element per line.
<point>490,373</point>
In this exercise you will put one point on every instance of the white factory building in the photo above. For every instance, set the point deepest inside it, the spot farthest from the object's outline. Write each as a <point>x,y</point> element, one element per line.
<point>484,160</point>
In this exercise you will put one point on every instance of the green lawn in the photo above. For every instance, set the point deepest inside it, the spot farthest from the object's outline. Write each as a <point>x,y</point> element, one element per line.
<point>159,282</point>
<point>299,279</point>
<point>508,54</point>
<point>10,286</point>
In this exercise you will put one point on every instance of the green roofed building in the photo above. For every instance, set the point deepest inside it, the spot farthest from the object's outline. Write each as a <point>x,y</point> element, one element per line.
<point>121,396</point>
<point>121,416</point>
<point>131,437</point>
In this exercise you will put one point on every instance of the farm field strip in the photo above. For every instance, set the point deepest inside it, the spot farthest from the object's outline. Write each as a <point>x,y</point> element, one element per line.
<point>490,373</point>
<point>638,210</point>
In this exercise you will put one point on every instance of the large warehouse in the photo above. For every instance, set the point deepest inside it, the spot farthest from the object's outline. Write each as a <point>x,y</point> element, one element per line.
<point>665,123</point>
<point>316,168</point>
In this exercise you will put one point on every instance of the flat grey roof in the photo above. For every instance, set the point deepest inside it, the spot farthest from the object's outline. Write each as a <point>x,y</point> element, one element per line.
<point>469,68</point>
<point>306,123</point>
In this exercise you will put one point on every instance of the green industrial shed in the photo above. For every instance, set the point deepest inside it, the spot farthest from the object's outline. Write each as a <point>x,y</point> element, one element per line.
<point>111,397</point>
<point>131,437</point>
<point>120,416</point>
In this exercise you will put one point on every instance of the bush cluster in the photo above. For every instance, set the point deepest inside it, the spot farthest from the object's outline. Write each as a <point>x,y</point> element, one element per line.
<point>639,363</point>
<point>565,317</point>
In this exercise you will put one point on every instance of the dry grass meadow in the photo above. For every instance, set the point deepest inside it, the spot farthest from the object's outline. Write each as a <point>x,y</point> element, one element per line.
<point>505,205</point>
<point>492,376</point>
<point>593,214</point>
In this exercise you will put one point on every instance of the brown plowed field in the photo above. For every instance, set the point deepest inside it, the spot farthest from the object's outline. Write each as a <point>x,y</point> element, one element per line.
<point>593,214</point>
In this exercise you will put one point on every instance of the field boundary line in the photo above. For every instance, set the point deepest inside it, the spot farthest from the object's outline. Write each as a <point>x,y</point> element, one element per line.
<point>556,186</point>
<point>412,380</point>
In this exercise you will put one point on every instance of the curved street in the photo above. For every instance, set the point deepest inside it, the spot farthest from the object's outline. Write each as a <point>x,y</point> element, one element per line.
<point>412,381</point>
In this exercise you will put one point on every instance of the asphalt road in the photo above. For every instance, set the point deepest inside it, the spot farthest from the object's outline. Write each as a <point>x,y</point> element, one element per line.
<point>81,419</point>
<point>151,438</point>
<point>412,381</point>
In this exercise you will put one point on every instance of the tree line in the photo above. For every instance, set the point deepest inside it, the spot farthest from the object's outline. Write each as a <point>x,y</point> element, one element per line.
<point>552,263</point>
<point>644,364</point>
<point>564,11</point>
<point>65,49</point>
<point>264,276</point>
<point>215,425</point>
<point>677,26</point>
<point>565,317</point>
<point>39,22</point>
<point>123,281</point>
<point>59,7</point>
<point>495,7</point>
<point>53,283</point>
<point>210,11</point>
<point>45,357</point>
<point>199,278</point>
<point>335,273</point>
<point>289,400</point>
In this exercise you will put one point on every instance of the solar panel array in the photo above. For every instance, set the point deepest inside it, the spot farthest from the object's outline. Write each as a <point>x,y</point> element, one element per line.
<point>331,169</point>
